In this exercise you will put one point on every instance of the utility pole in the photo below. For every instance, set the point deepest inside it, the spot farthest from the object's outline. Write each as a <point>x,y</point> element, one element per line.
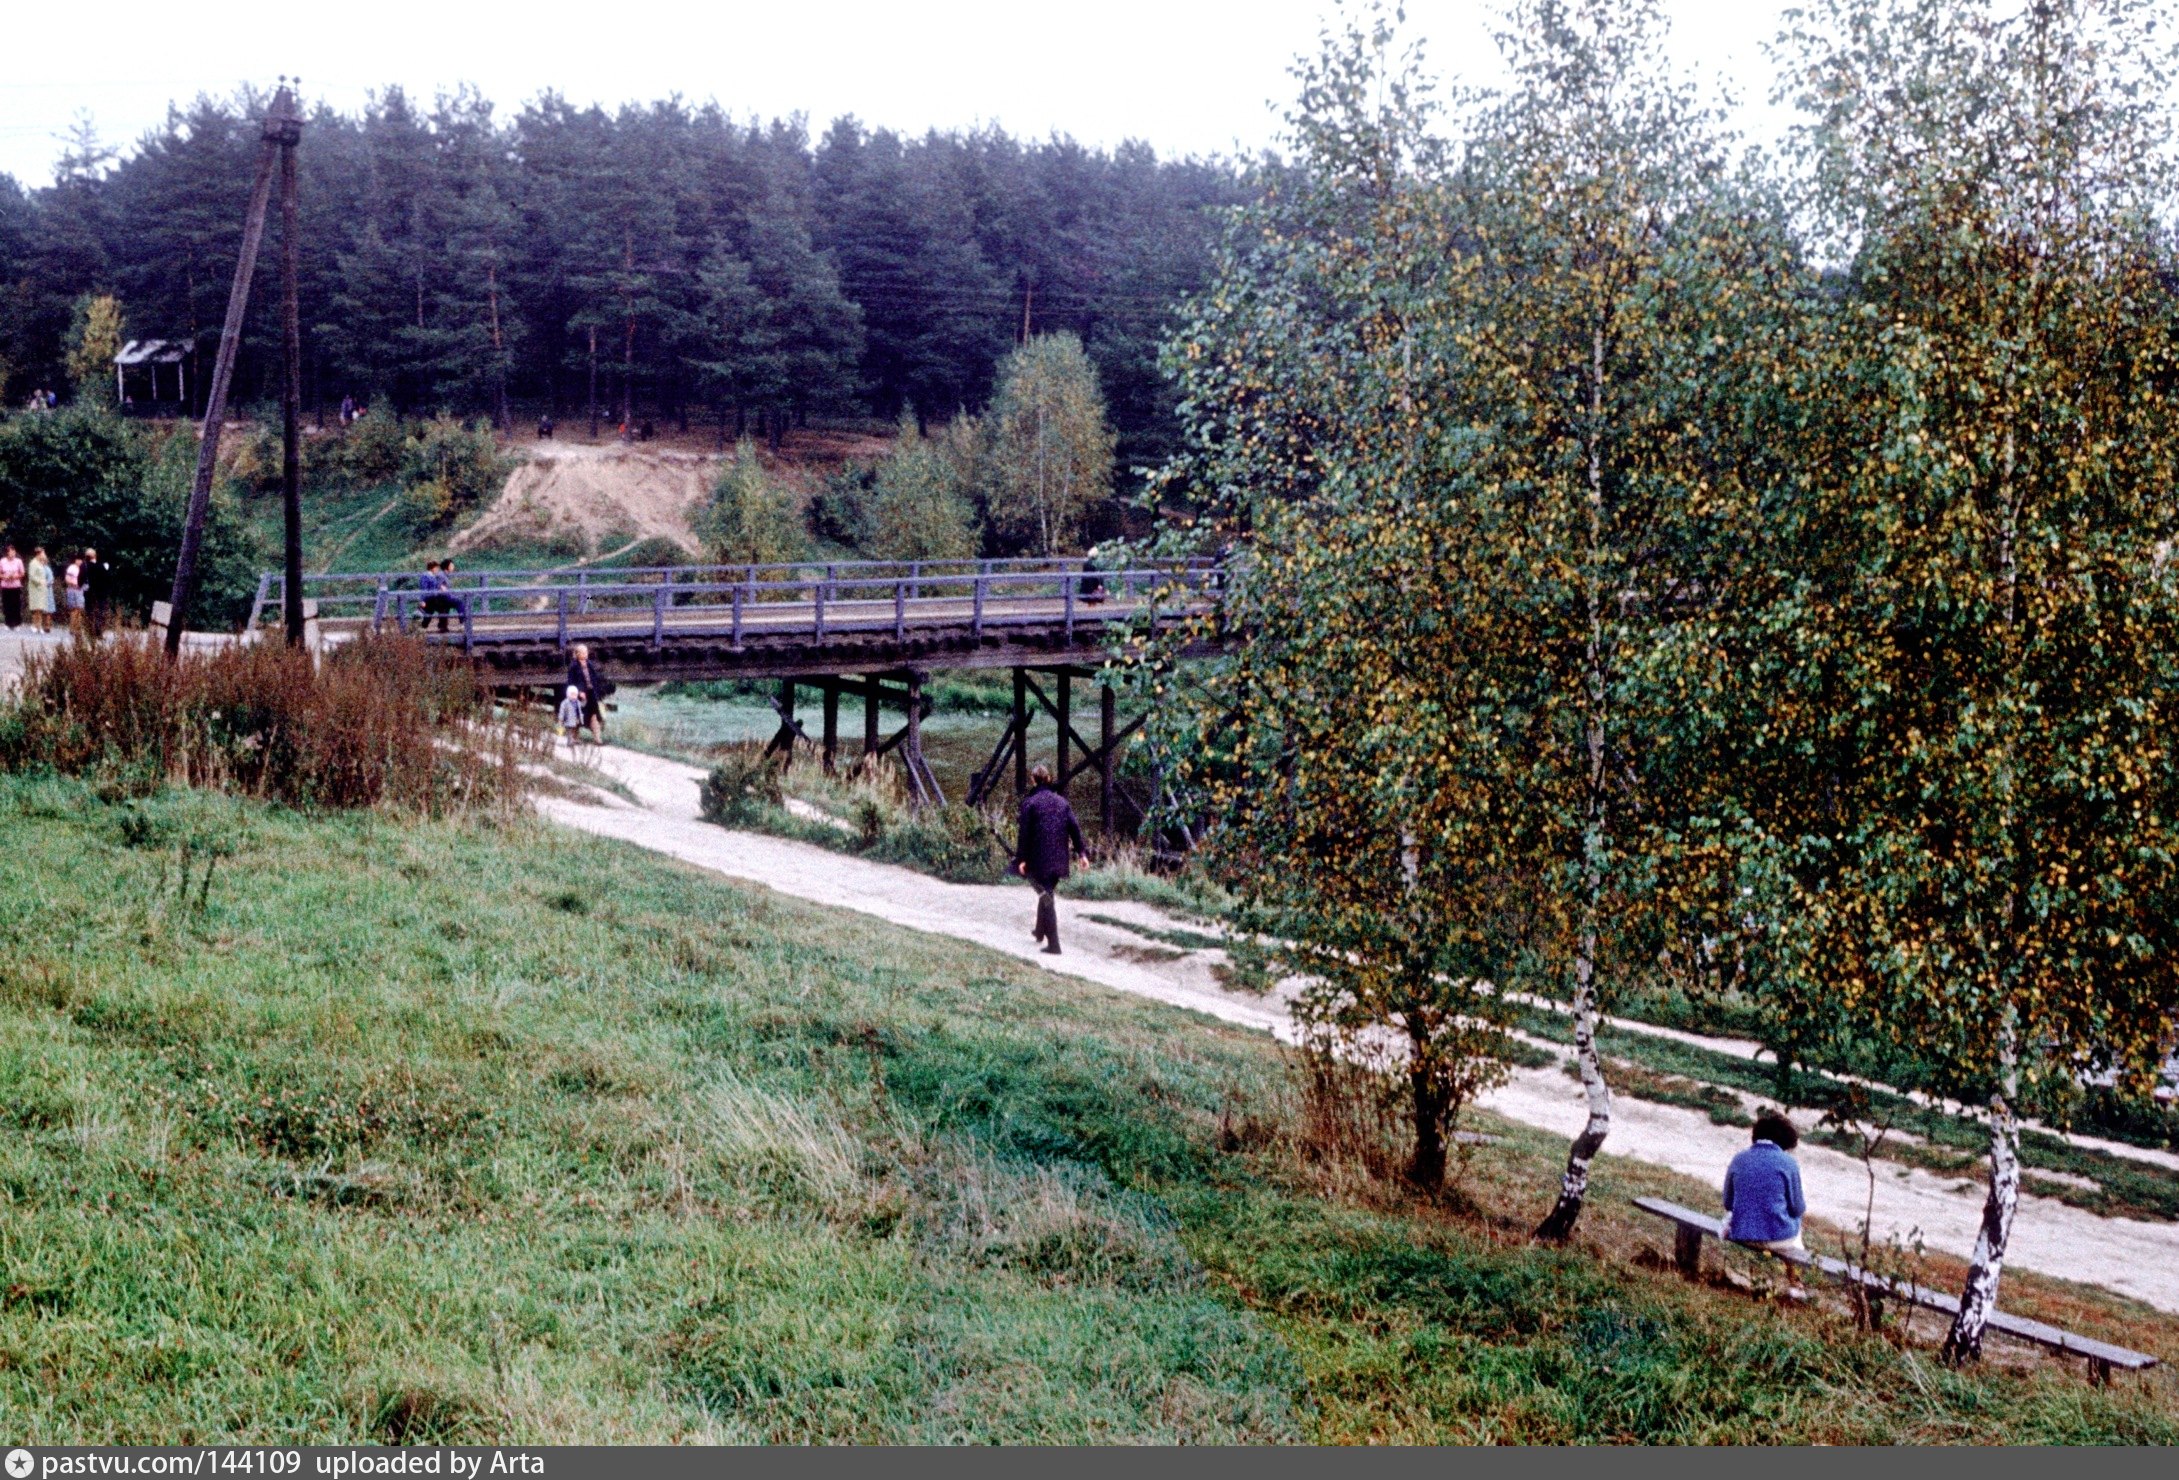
<point>282,127</point>
<point>290,123</point>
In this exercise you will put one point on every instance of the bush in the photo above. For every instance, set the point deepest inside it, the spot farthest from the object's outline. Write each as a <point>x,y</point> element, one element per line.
<point>919,506</point>
<point>840,513</point>
<point>260,456</point>
<point>870,813</point>
<point>448,469</point>
<point>372,450</point>
<point>380,721</point>
<point>751,519</point>
<point>740,790</point>
<point>954,842</point>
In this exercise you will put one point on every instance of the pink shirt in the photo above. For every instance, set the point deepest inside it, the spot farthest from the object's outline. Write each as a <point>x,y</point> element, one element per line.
<point>11,573</point>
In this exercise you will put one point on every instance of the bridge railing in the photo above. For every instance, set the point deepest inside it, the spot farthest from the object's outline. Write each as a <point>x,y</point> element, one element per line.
<point>807,599</point>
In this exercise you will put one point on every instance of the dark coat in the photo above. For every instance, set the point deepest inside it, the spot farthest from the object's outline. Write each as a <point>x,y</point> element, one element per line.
<point>594,684</point>
<point>1047,827</point>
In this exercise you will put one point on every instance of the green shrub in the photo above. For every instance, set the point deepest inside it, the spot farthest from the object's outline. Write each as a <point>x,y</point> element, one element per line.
<point>840,513</point>
<point>751,519</point>
<point>740,790</point>
<point>919,506</point>
<point>954,842</point>
<point>448,469</point>
<point>371,450</point>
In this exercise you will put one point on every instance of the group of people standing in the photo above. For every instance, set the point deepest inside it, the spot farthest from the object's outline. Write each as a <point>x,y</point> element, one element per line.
<point>31,590</point>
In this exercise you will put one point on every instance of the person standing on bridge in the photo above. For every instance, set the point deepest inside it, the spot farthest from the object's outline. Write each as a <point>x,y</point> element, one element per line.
<point>1049,836</point>
<point>595,687</point>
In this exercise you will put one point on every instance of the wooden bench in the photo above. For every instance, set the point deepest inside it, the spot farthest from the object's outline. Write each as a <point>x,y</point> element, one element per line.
<point>1691,1227</point>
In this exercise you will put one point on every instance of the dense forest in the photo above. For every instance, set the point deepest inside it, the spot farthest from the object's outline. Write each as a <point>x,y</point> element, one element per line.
<point>662,263</point>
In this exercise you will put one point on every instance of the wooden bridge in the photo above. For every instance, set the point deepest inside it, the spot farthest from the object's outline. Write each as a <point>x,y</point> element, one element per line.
<point>863,629</point>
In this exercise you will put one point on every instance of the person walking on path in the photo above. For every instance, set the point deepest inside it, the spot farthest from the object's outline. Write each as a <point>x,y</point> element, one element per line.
<point>11,589</point>
<point>38,584</point>
<point>1763,1201</point>
<point>1048,837</point>
<point>571,715</point>
<point>584,677</point>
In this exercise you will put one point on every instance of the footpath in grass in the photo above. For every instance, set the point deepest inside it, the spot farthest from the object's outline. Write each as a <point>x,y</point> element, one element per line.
<point>413,1131</point>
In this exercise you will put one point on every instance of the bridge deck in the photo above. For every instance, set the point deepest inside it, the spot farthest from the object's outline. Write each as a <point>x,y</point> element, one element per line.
<point>766,621</point>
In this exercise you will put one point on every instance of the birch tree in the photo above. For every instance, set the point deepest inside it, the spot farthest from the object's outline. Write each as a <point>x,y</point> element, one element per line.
<point>1622,280</point>
<point>1050,450</point>
<point>1957,782</point>
<point>1469,411</point>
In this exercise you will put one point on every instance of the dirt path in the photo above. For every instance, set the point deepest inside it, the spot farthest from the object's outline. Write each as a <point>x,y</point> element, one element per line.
<point>2132,1257</point>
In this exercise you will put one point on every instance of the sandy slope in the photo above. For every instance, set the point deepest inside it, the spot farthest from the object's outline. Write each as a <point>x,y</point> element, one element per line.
<point>2135,1258</point>
<point>594,497</point>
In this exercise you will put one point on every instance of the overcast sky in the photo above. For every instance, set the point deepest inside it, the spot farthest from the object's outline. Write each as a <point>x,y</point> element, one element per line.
<point>1188,76</point>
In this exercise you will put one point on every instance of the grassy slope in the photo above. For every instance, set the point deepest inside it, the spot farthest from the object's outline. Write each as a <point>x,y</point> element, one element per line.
<point>429,1131</point>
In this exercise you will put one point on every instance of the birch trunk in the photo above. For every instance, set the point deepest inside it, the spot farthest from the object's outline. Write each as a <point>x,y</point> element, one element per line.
<point>1595,840</point>
<point>1978,1302</point>
<point>1574,1182</point>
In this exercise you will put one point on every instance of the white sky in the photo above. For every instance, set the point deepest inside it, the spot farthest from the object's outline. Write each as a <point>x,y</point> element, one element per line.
<point>1188,76</point>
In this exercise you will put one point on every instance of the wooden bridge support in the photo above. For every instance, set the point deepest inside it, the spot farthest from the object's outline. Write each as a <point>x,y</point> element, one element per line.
<point>1103,757</point>
<point>904,689</point>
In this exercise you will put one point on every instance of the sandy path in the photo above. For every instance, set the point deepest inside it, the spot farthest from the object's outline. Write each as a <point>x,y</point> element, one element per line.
<point>2132,1257</point>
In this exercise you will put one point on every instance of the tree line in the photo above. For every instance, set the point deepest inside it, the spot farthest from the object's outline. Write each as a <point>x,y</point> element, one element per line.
<point>660,262</point>
<point>1668,568</point>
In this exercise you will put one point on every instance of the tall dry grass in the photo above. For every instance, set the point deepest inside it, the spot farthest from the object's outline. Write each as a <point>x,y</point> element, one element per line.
<point>382,721</point>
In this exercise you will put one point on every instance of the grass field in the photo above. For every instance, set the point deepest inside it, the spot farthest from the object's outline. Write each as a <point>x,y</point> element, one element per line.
<point>436,1131</point>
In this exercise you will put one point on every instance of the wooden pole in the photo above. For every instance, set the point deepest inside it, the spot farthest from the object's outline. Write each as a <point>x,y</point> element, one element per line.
<point>914,757</point>
<point>215,409</point>
<point>291,394</point>
<point>870,715</point>
<point>832,722</point>
<point>1021,733</point>
<point>1064,682</point>
<point>1106,703</point>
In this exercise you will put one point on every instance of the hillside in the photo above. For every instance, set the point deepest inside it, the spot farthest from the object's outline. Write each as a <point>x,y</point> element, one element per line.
<point>567,500</point>
<point>419,1131</point>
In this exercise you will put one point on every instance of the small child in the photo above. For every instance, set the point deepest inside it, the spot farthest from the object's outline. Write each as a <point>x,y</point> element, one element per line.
<point>571,715</point>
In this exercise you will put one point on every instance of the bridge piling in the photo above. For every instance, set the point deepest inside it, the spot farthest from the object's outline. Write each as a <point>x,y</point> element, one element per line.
<point>1063,687</point>
<point>918,769</point>
<point>832,723</point>
<point>1107,703</point>
<point>1021,731</point>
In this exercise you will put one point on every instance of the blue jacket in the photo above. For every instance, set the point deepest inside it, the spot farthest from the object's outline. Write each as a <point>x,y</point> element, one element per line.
<point>1763,1195</point>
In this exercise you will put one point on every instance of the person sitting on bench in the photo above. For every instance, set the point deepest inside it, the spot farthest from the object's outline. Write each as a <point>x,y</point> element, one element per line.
<point>1763,1201</point>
